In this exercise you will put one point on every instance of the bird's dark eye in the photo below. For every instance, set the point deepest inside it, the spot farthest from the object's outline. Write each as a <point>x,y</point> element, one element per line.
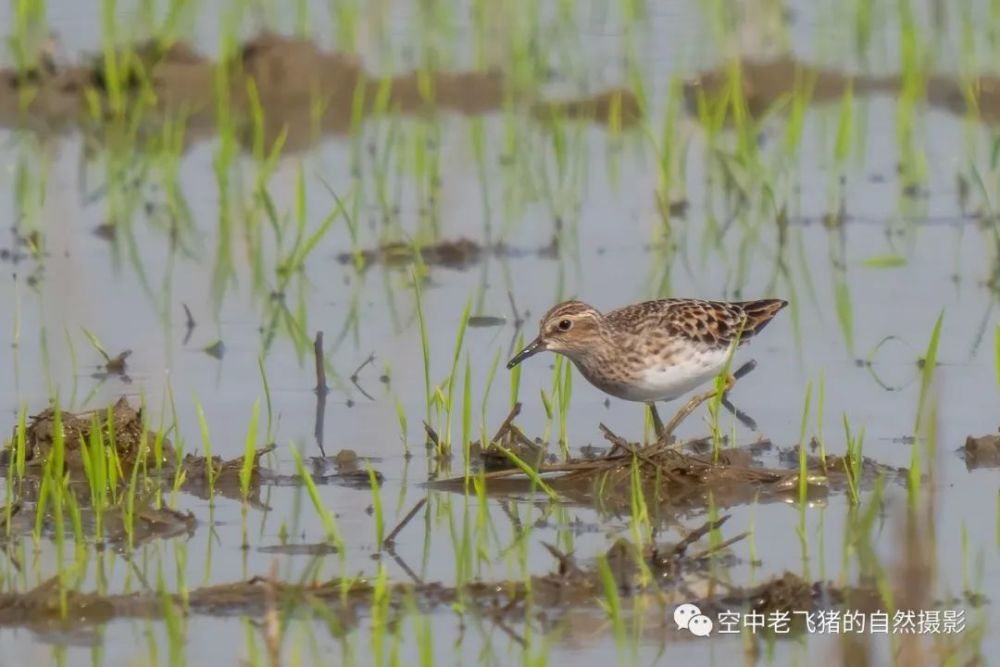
<point>564,325</point>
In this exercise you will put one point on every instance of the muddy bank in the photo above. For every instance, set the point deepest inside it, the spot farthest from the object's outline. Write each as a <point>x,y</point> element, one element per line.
<point>664,572</point>
<point>676,478</point>
<point>764,84</point>
<point>457,254</point>
<point>303,92</point>
<point>117,441</point>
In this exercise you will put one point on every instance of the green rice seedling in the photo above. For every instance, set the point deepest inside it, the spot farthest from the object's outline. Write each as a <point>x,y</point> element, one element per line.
<point>253,657</point>
<point>15,338</point>
<point>95,342</point>
<point>452,376</point>
<point>327,517</point>
<point>536,481</point>
<point>21,444</point>
<point>129,506</point>
<point>491,374</point>
<point>302,245</point>
<point>565,393</point>
<point>206,442</point>
<point>267,398</point>
<point>403,430</point>
<point>376,508</point>
<point>515,375</point>
<point>26,35</point>
<point>50,490</point>
<point>842,144</point>
<point>642,527</point>
<point>424,634</point>
<point>820,409</point>
<point>467,412</point>
<point>803,456</point>
<point>802,93</point>
<point>715,403</point>
<point>804,478</point>
<point>927,371</point>
<point>424,342</point>
<point>113,75</point>
<point>854,460</point>
<point>95,466</point>
<point>115,469</point>
<point>549,412</point>
<point>996,357</point>
<point>484,521</point>
<point>160,434</point>
<point>845,310</point>
<point>461,543</point>
<point>477,137</point>
<point>612,601</point>
<point>249,449</point>
<point>381,600</point>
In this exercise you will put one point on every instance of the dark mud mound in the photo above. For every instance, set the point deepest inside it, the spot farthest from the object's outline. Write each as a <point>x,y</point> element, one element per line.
<point>457,254</point>
<point>571,588</point>
<point>303,92</point>
<point>764,84</point>
<point>204,476</point>
<point>674,477</point>
<point>981,451</point>
<point>120,426</point>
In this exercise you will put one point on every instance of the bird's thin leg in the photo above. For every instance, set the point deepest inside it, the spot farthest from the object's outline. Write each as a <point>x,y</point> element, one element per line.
<point>664,438</point>
<point>744,369</point>
<point>657,422</point>
<point>743,417</point>
<point>689,407</point>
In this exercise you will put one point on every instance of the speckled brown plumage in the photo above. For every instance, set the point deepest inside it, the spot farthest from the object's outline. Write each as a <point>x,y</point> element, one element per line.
<point>654,350</point>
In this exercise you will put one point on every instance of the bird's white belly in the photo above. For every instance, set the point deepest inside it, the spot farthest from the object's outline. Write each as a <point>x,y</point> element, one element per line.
<point>666,382</point>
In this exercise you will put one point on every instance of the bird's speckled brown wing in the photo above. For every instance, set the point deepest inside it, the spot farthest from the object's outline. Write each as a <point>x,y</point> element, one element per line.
<point>714,323</point>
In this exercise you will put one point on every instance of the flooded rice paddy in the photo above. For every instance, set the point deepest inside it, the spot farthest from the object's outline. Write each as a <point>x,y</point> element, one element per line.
<point>263,265</point>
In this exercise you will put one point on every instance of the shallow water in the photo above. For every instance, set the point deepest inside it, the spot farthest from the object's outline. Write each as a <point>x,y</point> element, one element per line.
<point>611,252</point>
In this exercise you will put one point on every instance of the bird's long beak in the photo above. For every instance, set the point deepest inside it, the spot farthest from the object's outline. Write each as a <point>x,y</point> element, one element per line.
<point>532,348</point>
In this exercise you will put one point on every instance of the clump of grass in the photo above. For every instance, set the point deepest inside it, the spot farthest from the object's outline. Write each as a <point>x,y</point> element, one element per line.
<point>853,460</point>
<point>95,467</point>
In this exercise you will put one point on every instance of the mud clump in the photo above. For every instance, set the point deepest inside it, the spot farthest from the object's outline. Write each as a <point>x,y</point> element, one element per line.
<point>981,451</point>
<point>202,476</point>
<point>148,523</point>
<point>455,254</point>
<point>509,439</point>
<point>571,587</point>
<point>120,425</point>
<point>767,83</point>
<point>305,92</point>
<point>673,480</point>
<point>614,107</point>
